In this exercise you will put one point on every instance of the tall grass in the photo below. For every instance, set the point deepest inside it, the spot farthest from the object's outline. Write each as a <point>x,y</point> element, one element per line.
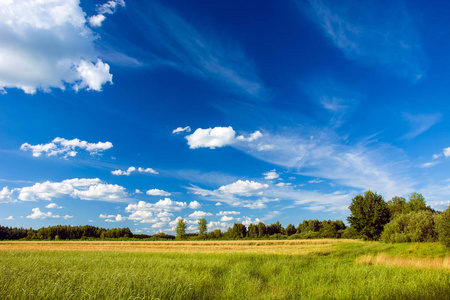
<point>144,275</point>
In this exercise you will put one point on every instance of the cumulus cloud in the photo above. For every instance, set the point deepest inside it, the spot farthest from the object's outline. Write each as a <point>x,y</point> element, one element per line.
<point>109,7</point>
<point>194,205</point>
<point>226,213</point>
<point>67,217</point>
<point>244,188</point>
<point>133,169</point>
<point>271,175</point>
<point>38,214</point>
<point>200,214</point>
<point>83,188</point>
<point>181,130</point>
<point>157,192</point>
<point>217,137</point>
<point>53,205</point>
<point>447,152</point>
<point>137,191</point>
<point>247,221</point>
<point>113,218</point>
<point>218,225</point>
<point>226,219</point>
<point>9,218</point>
<point>46,44</point>
<point>5,195</point>
<point>67,148</point>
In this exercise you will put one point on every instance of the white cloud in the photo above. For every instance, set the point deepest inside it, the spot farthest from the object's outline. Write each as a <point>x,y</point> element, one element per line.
<point>200,214</point>
<point>53,205</point>
<point>133,169</point>
<point>154,212</point>
<point>61,146</point>
<point>218,204</point>
<point>46,44</point>
<point>5,195</point>
<point>67,217</point>
<point>247,221</point>
<point>109,7</point>
<point>93,76</point>
<point>316,180</point>
<point>181,130</point>
<point>83,188</point>
<point>194,205</point>
<point>283,184</point>
<point>226,219</point>
<point>9,218</point>
<point>226,213</point>
<point>157,192</point>
<point>244,188</point>
<point>217,137</point>
<point>447,152</point>
<point>137,191</point>
<point>37,214</point>
<point>271,175</point>
<point>265,147</point>
<point>113,218</point>
<point>429,164</point>
<point>218,225</point>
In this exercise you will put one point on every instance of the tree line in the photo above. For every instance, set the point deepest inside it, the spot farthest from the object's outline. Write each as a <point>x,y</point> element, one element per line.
<point>64,232</point>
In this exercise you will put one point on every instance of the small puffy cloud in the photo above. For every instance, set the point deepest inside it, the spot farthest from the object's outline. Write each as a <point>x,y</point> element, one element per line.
<point>218,204</point>
<point>316,180</point>
<point>157,192</point>
<point>181,130</point>
<point>37,214</point>
<point>159,225</point>
<point>217,137</point>
<point>447,152</point>
<point>83,188</point>
<point>247,221</point>
<point>264,147</point>
<point>67,148</point>
<point>53,205</point>
<point>281,184</point>
<point>244,188</point>
<point>226,213</point>
<point>137,191</point>
<point>132,170</point>
<point>9,218</point>
<point>113,218</point>
<point>254,136</point>
<point>5,195</point>
<point>66,217</point>
<point>226,219</point>
<point>46,44</point>
<point>200,214</point>
<point>194,205</point>
<point>109,7</point>
<point>271,175</point>
<point>93,76</point>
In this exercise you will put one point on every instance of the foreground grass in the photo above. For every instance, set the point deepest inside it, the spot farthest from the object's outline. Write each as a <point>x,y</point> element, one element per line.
<point>342,272</point>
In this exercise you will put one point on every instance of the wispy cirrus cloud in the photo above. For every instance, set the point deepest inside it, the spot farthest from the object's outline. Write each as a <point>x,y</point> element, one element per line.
<point>174,42</point>
<point>420,123</point>
<point>356,29</point>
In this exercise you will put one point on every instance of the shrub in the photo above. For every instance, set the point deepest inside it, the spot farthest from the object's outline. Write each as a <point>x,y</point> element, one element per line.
<point>416,226</point>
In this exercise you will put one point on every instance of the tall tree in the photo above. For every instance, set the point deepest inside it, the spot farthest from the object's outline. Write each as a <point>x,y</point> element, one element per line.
<point>181,228</point>
<point>416,203</point>
<point>369,214</point>
<point>396,206</point>
<point>202,227</point>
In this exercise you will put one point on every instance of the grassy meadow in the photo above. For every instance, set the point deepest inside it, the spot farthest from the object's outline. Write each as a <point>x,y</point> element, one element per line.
<point>306,269</point>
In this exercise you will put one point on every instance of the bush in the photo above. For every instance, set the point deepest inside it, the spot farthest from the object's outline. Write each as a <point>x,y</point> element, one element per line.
<point>413,227</point>
<point>443,227</point>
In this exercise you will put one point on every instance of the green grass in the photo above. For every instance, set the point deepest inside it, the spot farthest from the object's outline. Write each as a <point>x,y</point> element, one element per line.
<point>141,275</point>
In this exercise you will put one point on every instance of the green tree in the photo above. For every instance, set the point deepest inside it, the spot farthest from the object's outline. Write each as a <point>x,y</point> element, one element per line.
<point>443,227</point>
<point>416,203</point>
<point>181,228</point>
<point>369,214</point>
<point>202,227</point>
<point>396,206</point>
<point>416,226</point>
<point>261,229</point>
<point>290,229</point>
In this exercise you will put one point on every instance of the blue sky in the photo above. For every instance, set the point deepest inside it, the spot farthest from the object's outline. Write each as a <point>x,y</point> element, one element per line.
<point>133,114</point>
